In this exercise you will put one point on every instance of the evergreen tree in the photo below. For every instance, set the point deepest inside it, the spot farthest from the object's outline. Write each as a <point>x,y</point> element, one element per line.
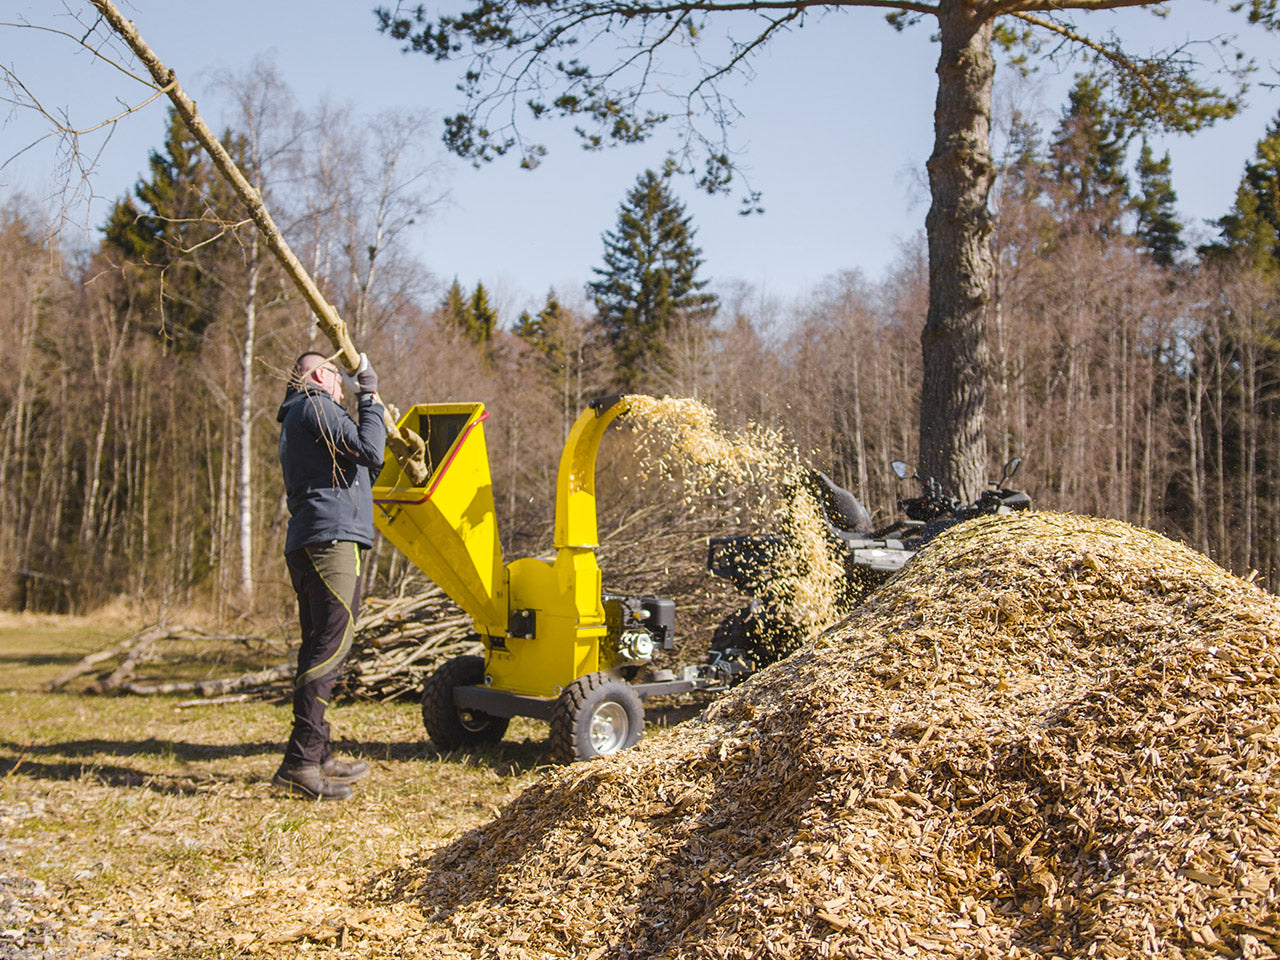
<point>483,318</point>
<point>649,278</point>
<point>1087,158</point>
<point>1158,226</point>
<point>166,240</point>
<point>1022,176</point>
<point>1253,225</point>
<point>541,331</point>
<point>455,309</point>
<point>473,316</point>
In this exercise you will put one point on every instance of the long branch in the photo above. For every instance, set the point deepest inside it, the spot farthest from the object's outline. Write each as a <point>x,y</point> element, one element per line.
<point>407,446</point>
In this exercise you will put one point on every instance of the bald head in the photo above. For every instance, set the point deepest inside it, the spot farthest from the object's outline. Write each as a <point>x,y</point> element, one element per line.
<point>306,363</point>
<point>316,368</point>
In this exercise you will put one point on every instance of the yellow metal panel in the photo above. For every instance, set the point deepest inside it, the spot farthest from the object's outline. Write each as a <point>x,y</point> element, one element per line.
<point>564,597</point>
<point>447,527</point>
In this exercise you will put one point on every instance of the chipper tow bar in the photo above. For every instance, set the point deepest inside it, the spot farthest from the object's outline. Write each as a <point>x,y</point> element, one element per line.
<point>556,647</point>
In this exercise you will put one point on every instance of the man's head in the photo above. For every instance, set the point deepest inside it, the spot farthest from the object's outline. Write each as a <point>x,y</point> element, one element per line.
<point>318,369</point>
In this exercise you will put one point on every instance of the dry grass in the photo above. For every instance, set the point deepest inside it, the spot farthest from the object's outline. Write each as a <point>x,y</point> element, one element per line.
<point>134,827</point>
<point>1047,737</point>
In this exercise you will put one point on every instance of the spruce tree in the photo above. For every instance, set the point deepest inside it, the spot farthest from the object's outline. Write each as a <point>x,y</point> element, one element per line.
<point>1158,227</point>
<point>649,278</point>
<point>1087,158</point>
<point>483,318</point>
<point>540,331</point>
<point>1252,228</point>
<point>166,237</point>
<point>455,310</point>
<point>473,316</point>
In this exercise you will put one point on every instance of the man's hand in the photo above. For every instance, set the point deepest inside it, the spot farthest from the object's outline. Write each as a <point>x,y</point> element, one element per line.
<point>365,377</point>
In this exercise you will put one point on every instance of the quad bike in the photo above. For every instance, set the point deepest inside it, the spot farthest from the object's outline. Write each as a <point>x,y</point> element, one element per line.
<point>764,630</point>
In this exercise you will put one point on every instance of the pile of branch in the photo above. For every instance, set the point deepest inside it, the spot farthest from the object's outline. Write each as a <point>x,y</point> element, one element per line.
<point>401,639</point>
<point>397,641</point>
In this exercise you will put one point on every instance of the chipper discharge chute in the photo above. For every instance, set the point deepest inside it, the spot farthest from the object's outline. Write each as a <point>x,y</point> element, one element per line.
<point>556,647</point>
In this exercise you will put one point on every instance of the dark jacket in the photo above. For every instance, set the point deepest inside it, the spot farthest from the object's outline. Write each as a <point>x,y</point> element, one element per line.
<point>329,462</point>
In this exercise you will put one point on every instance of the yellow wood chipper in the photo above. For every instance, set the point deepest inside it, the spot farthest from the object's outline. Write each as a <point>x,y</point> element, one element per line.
<point>556,647</point>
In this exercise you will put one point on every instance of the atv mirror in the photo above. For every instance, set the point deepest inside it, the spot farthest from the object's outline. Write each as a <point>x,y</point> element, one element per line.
<point>900,469</point>
<point>1011,468</point>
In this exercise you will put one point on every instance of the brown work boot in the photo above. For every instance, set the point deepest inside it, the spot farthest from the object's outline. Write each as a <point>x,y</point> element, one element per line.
<point>344,771</point>
<point>308,780</point>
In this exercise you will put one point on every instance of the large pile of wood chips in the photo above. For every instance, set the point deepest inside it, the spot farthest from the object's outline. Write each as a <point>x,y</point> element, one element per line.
<point>1050,736</point>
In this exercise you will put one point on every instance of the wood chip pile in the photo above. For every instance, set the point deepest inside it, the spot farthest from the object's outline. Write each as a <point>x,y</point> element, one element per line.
<point>1049,736</point>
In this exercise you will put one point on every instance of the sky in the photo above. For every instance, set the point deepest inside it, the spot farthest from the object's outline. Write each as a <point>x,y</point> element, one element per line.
<point>836,125</point>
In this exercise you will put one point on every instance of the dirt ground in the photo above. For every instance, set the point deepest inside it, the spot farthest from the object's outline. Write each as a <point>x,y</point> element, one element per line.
<point>139,827</point>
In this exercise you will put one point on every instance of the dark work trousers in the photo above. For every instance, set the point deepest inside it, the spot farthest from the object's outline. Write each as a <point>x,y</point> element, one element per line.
<point>326,578</point>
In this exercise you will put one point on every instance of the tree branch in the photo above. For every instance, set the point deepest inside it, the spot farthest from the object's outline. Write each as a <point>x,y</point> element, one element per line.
<point>406,445</point>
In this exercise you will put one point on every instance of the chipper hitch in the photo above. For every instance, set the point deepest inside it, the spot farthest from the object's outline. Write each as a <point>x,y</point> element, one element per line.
<point>556,647</point>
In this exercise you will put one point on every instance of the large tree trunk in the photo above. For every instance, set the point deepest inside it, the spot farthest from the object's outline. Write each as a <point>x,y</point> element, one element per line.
<point>961,266</point>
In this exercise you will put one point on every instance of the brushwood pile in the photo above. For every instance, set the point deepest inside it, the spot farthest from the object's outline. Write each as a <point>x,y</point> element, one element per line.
<point>1049,736</point>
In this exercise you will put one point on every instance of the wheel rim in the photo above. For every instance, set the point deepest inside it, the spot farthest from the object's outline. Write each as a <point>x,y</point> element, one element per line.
<point>473,722</point>
<point>609,728</point>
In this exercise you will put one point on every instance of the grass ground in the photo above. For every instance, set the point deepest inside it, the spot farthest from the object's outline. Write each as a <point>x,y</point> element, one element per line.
<point>143,827</point>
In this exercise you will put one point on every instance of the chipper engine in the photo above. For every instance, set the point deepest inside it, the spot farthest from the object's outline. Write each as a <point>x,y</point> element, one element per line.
<point>556,648</point>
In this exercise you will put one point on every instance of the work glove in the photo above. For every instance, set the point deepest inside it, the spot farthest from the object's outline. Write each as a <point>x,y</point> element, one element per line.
<point>365,377</point>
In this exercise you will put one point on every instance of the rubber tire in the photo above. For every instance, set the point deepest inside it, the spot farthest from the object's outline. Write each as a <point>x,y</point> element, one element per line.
<point>448,727</point>
<point>579,708</point>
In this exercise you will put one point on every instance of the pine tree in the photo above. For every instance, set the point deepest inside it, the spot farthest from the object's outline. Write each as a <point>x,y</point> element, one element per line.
<point>649,278</point>
<point>1158,226</point>
<point>1087,158</point>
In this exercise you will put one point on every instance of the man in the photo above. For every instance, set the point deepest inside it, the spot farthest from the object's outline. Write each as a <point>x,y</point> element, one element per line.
<point>329,462</point>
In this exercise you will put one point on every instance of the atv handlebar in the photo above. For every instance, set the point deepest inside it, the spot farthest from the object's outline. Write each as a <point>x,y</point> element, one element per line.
<point>934,504</point>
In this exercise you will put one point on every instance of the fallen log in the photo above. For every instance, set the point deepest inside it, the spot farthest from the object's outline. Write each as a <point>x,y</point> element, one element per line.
<point>87,663</point>
<point>257,679</point>
<point>398,641</point>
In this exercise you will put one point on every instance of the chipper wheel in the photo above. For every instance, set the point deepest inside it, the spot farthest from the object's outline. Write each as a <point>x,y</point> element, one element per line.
<point>595,715</point>
<point>448,725</point>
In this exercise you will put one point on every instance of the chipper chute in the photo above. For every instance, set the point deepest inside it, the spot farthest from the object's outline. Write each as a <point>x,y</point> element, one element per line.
<point>555,646</point>
<point>447,526</point>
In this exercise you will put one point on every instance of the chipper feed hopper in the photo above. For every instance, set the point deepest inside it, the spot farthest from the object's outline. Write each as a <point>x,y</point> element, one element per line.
<point>556,647</point>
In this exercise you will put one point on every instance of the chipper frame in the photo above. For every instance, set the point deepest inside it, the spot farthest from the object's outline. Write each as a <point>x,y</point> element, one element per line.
<point>556,647</point>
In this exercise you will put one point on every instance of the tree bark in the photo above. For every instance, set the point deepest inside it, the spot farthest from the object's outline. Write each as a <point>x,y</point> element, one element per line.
<point>961,266</point>
<point>244,428</point>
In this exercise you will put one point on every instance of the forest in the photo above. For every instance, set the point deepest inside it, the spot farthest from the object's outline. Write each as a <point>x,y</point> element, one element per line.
<point>1135,373</point>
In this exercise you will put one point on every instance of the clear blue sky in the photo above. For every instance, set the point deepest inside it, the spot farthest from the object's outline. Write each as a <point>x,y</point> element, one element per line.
<point>836,130</point>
